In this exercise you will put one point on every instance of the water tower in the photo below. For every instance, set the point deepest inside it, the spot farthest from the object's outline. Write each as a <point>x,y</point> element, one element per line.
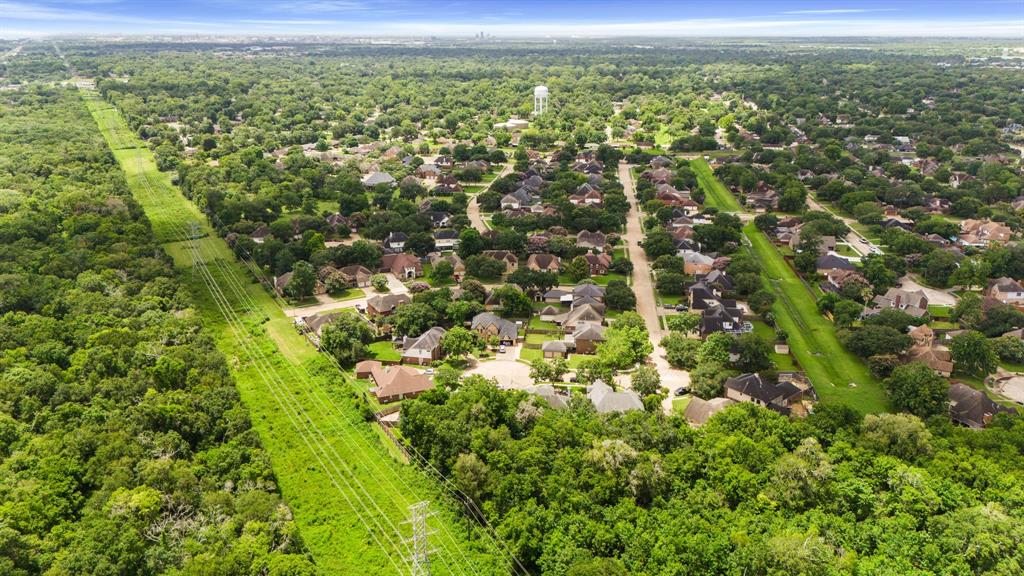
<point>540,100</point>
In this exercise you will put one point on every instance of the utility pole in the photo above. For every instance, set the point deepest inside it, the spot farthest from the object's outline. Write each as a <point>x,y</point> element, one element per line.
<point>419,548</point>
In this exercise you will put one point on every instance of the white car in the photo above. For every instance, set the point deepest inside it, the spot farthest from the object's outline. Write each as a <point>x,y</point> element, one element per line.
<point>501,349</point>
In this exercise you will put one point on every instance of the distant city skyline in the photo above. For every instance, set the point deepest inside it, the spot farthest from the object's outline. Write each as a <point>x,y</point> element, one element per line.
<point>519,18</point>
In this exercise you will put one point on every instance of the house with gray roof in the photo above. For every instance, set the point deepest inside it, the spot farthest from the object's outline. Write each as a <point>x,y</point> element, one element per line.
<point>487,324</point>
<point>424,348</point>
<point>606,400</point>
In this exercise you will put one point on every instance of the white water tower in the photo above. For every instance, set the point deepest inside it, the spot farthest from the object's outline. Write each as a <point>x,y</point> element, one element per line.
<point>540,100</point>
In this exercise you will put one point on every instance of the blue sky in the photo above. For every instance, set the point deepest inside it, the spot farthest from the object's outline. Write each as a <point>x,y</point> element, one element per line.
<point>509,18</point>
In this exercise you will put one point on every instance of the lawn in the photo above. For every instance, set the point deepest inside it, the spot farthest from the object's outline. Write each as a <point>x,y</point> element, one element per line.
<point>679,404</point>
<point>812,337</point>
<point>299,402</point>
<point>662,139</point>
<point>384,350</point>
<point>715,193</point>
<point>940,311</point>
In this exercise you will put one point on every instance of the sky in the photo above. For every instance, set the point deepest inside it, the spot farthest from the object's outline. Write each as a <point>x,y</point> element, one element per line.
<point>518,18</point>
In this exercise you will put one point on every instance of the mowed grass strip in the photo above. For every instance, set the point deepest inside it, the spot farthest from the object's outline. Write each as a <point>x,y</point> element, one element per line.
<point>715,193</point>
<point>812,338</point>
<point>336,536</point>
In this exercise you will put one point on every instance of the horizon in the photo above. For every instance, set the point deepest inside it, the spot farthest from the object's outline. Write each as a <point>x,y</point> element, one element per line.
<point>995,19</point>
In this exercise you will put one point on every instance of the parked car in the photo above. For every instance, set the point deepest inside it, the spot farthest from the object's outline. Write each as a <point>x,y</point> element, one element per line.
<point>681,307</point>
<point>682,391</point>
<point>430,370</point>
<point>501,348</point>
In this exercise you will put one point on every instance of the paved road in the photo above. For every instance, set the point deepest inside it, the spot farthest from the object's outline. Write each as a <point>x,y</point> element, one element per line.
<point>473,210</point>
<point>646,302</point>
<point>855,239</point>
<point>936,297</point>
<point>395,286</point>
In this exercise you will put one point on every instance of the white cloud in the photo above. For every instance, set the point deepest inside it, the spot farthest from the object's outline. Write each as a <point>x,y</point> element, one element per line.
<point>841,11</point>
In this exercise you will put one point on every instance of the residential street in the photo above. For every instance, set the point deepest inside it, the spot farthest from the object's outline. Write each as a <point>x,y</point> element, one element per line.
<point>473,210</point>
<point>855,239</point>
<point>646,303</point>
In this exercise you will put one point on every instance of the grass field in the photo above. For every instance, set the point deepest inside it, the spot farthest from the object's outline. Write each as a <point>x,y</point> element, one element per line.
<point>362,493</point>
<point>662,138</point>
<point>812,337</point>
<point>715,193</point>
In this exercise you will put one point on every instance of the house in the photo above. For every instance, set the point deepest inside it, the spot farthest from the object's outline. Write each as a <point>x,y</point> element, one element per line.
<point>914,303</point>
<point>557,296</point>
<point>661,162</point>
<point>356,275</point>
<point>596,241</point>
<point>393,383</point>
<point>423,349</point>
<point>980,233</point>
<point>926,351</point>
<point>973,408</point>
<point>554,398</point>
<point>281,282</point>
<point>260,234</point>
<point>509,258</point>
<point>428,171</point>
<point>314,325</point>
<point>606,400</point>
<point>695,262</point>
<point>717,280</point>
<point>584,314</point>
<point>586,337</point>
<point>403,266</point>
<point>554,349</point>
<point>829,263</point>
<point>723,316</point>
<point>365,368</point>
<point>779,396</point>
<point>395,241</point>
<point>446,239</point>
<point>1006,291</point>
<point>657,175</point>
<point>459,269</point>
<point>699,411</point>
<point>599,263</point>
<point>382,305</point>
<point>548,313</point>
<point>336,220</point>
<point>544,263</point>
<point>835,280</point>
<point>489,325</point>
<point>826,244</point>
<point>588,288</point>
<point>439,219</point>
<point>377,178</point>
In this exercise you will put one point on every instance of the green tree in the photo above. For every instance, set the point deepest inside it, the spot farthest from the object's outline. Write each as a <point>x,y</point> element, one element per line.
<point>379,282</point>
<point>578,269</point>
<point>442,273</point>
<point>459,341</point>
<point>412,319</point>
<point>681,352</point>
<point>973,354</point>
<point>755,354</point>
<point>346,339</point>
<point>302,282</point>
<point>646,380</point>
<point>618,296</point>
<point>917,389</point>
<point>685,322</point>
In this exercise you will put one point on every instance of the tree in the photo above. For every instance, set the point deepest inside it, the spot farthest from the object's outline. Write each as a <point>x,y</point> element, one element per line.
<point>540,371</point>
<point>681,352</point>
<point>484,267</point>
<point>715,349</point>
<point>442,272</point>
<point>346,339</point>
<point>670,283</point>
<point>459,341</point>
<point>514,303</point>
<point>471,242</point>
<point>618,296</point>
<point>412,319</point>
<point>968,311</point>
<point>379,282</point>
<point>626,343</point>
<point>578,269</point>
<point>846,312</point>
<point>646,381</point>
<point>917,389</point>
<point>761,301</point>
<point>1009,348</point>
<point>755,354</point>
<point>420,243</point>
<point>302,282</point>
<point>938,267</point>
<point>707,381</point>
<point>973,354</point>
<point>900,435</point>
<point>872,340</point>
<point>685,322</point>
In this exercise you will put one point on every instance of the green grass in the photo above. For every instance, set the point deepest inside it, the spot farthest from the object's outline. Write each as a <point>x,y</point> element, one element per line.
<point>812,338</point>
<point>662,139</point>
<point>679,404</point>
<point>715,193</point>
<point>538,338</point>
<point>940,311</point>
<point>270,350</point>
<point>384,350</point>
<point>672,298</point>
<point>537,324</point>
<point>531,354</point>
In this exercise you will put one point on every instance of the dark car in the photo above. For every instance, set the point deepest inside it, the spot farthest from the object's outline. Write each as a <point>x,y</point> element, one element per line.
<point>682,391</point>
<point>681,307</point>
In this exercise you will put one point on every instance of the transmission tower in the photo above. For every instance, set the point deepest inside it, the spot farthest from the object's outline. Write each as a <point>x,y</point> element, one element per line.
<point>419,547</point>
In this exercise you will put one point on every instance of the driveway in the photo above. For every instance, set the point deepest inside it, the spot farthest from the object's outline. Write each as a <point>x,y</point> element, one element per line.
<point>328,304</point>
<point>473,210</point>
<point>936,297</point>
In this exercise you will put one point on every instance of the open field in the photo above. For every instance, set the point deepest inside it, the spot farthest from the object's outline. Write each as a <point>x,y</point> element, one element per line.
<point>348,493</point>
<point>812,337</point>
<point>715,193</point>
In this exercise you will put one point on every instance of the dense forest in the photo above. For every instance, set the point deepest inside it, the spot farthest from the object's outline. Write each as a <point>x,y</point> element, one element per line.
<point>750,493</point>
<point>124,448</point>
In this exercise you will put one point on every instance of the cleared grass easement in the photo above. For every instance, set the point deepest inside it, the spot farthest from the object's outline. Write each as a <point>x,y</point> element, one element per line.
<point>348,490</point>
